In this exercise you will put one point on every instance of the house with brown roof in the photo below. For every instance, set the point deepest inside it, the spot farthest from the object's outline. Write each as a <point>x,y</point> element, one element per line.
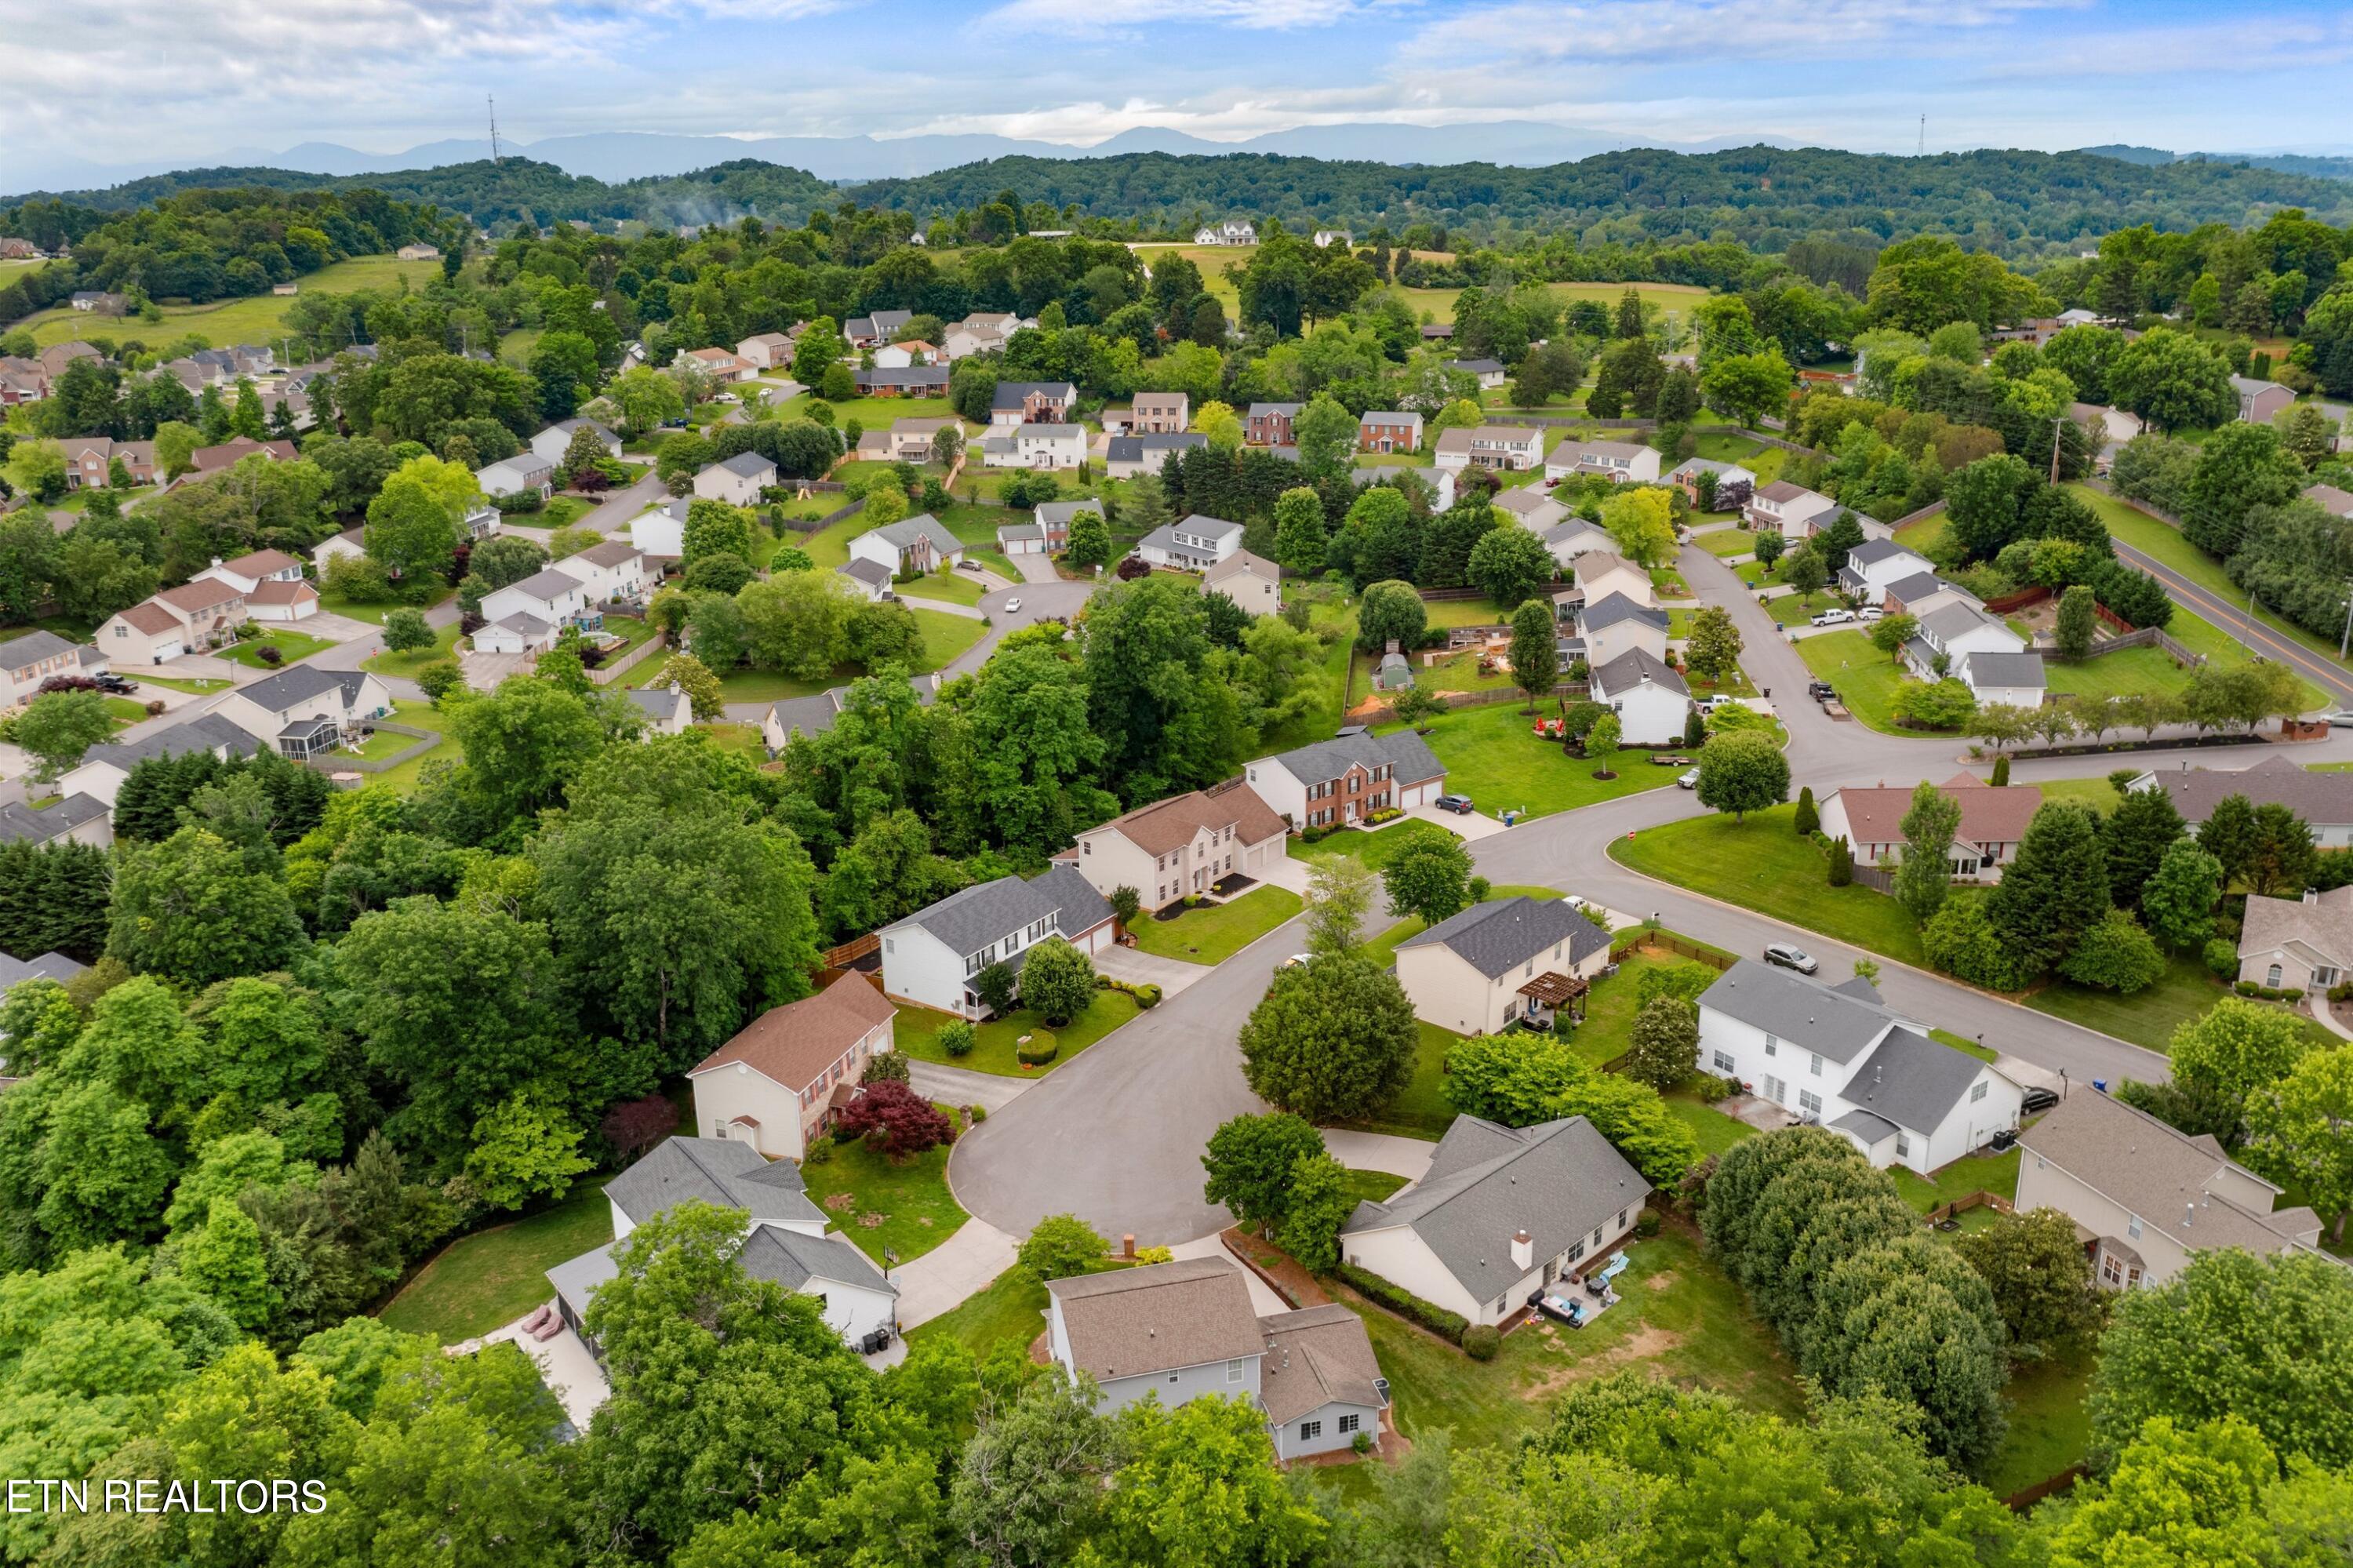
<point>247,572</point>
<point>767,351</point>
<point>2147,1197</point>
<point>2325,800</point>
<point>195,616</point>
<point>2303,943</point>
<point>1789,509</point>
<point>1513,448</point>
<point>779,1083</point>
<point>231,453</point>
<point>1870,819</point>
<point>2329,498</point>
<point>90,461</point>
<point>719,363</point>
<point>1182,845</point>
<point>59,355</point>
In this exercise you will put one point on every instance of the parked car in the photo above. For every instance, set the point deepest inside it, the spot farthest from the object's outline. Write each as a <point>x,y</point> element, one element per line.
<point>1869,612</point>
<point>2341,718</point>
<point>1012,605</point>
<point>1789,957</point>
<point>1457,804</point>
<point>1296,961</point>
<point>108,680</point>
<point>2037,1100</point>
<point>1834,618</point>
<point>1821,690</point>
<point>1688,780</point>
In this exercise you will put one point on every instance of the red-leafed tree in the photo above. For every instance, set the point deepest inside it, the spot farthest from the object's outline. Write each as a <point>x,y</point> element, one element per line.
<point>896,1121</point>
<point>635,1126</point>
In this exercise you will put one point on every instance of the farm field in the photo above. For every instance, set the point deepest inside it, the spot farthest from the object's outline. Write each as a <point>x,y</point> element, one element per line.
<point>252,319</point>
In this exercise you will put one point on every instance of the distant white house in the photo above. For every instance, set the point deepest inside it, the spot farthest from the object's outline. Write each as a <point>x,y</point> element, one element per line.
<point>1620,463</point>
<point>1035,446</point>
<point>1873,564</point>
<point>525,473</point>
<point>1649,695</point>
<point>1504,447</point>
<point>1233,231</point>
<point>1192,544</point>
<point>1252,582</point>
<point>526,616</point>
<point>737,481</point>
<point>272,583</point>
<point>659,532</point>
<point>1531,508</point>
<point>611,573</point>
<point>932,957</point>
<point>553,442</point>
<point>104,767</point>
<point>1490,372</point>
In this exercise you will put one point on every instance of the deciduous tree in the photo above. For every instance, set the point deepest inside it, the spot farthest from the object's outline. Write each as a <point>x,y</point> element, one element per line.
<point>1333,1039</point>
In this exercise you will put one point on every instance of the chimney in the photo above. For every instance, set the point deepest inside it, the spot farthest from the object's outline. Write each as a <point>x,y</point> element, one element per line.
<point>1523,1251</point>
<point>2312,896</point>
<point>216,560</point>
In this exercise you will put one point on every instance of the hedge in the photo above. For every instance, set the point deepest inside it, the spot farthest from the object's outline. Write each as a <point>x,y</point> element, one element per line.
<point>1448,1326</point>
<point>1042,1048</point>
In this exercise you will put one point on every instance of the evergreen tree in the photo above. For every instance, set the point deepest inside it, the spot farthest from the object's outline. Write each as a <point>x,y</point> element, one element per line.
<point>2054,891</point>
<point>1927,870</point>
<point>1809,820</point>
<point>2136,836</point>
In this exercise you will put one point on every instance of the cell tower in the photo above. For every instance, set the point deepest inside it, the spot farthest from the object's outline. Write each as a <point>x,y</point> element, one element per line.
<point>1921,152</point>
<point>494,126</point>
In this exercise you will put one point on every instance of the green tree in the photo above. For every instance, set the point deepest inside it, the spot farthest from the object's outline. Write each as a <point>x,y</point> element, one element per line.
<point>223,1258</point>
<point>1808,821</point>
<point>2300,1133</point>
<point>1058,981</point>
<point>2228,834</point>
<point>2041,1280</point>
<point>1061,1245</point>
<point>1664,1048</point>
<point>1535,646</point>
<point>1641,519</point>
<point>1601,743</point>
<point>1390,612</point>
<point>1326,434</point>
<point>1747,387</point>
<point>2235,1052</point>
<point>1742,771</point>
<point>713,527</point>
<point>1714,651</point>
<point>1250,1162</point>
<point>405,631</point>
<point>2173,380</point>
<point>2136,837</point>
<point>524,1148</point>
<point>2075,623</point>
<point>1299,531</point>
<point>1925,872</point>
<point>1320,1200</point>
<point>1339,896</point>
<point>1031,1484</point>
<point>1429,879</point>
<point>1089,542</point>
<point>2054,891</point>
<point>686,673</point>
<point>2115,954</point>
<point>2178,898</point>
<point>1510,565</point>
<point>192,910</point>
<point>1197,1485</point>
<point>57,728</point>
<point>1889,633</point>
<point>1332,1040</point>
<point>523,744</point>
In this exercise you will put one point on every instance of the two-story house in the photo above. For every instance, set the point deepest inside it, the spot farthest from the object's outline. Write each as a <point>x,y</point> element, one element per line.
<point>272,583</point>
<point>913,439</point>
<point>1615,624</point>
<point>1047,530</point>
<point>1620,463</point>
<point>1346,779</point>
<point>195,616</point>
<point>1531,508</point>
<point>1037,445</point>
<point>1685,474</point>
<point>1838,1056</point>
<point>1490,966</point>
<point>2259,400</point>
<point>304,711</point>
<point>1158,413</point>
<point>1649,695</point>
<point>1871,566</point>
<point>1789,509</point>
<point>25,661</point>
<point>1269,424</point>
<point>1389,431</point>
<point>1572,538</point>
<point>1597,573</point>
<point>718,364</point>
<point>527,616</point>
<point>91,460</point>
<point>875,330</point>
<point>525,473</point>
<point>779,1083</point>
<point>553,442</point>
<point>1182,846</point>
<point>1953,632</point>
<point>104,767</point>
<point>1921,592</point>
<point>1124,457</point>
<point>609,573</point>
<point>737,481</point>
<point>1252,582</point>
<point>1870,819</point>
<point>1192,544</point>
<point>1510,448</point>
<point>767,351</point>
<point>1032,403</point>
<point>932,957</point>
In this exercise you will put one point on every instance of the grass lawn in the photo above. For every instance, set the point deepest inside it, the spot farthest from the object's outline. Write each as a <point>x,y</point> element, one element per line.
<point>1927,537</point>
<point>1493,755</point>
<point>1215,932</point>
<point>2149,1017</point>
<point>1374,846</point>
<point>293,645</point>
<point>1995,1174</point>
<point>374,612</point>
<point>2049,1427</point>
<point>1680,1317</point>
<point>1373,1186</point>
<point>2139,669</point>
<point>1717,1131</point>
<point>384,743</point>
<point>1866,679</point>
<point>1798,608</point>
<point>955,588</point>
<point>173,682</point>
<point>1331,682</point>
<point>422,715</point>
<point>1463,612</point>
<point>1762,461</point>
<point>255,319</point>
<point>918,1034</point>
<point>2096,793</point>
<point>1420,1109</point>
<point>1727,542</point>
<point>445,641</point>
<point>876,1204</point>
<point>829,547</point>
<point>124,711</point>
<point>1459,672</point>
<point>875,413</point>
<point>481,1281</point>
<point>1011,1312</point>
<point>945,637</point>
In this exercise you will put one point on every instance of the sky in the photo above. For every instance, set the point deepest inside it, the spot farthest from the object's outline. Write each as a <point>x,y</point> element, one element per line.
<point>129,82</point>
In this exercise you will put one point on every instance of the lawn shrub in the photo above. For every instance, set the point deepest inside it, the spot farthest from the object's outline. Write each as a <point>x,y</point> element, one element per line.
<point>1042,1048</point>
<point>1482,1342</point>
<point>1446,1325</point>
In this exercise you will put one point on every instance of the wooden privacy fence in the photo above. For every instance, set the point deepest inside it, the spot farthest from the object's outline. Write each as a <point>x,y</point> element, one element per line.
<point>849,952</point>
<point>1629,942</point>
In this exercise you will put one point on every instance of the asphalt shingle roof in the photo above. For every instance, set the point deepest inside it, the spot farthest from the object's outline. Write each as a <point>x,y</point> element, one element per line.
<point>2007,670</point>
<point>2318,798</point>
<point>24,653</point>
<point>717,1171</point>
<point>1626,672</point>
<point>1788,1006</point>
<point>1137,1321</point>
<point>1873,551</point>
<point>1498,936</point>
<point>1613,607</point>
<point>203,733</point>
<point>1408,755</point>
<point>300,684</point>
<point>969,920</point>
<point>1912,1080</point>
<point>547,585</point>
<point>922,525</point>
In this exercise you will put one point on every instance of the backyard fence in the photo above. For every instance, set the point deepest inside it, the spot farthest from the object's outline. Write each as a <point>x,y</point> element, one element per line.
<point>1632,942</point>
<point>1878,881</point>
<point>343,762</point>
<point>849,952</point>
<point>612,670</point>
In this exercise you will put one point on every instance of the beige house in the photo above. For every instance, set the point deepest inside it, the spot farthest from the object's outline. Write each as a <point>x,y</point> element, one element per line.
<point>1250,581</point>
<point>1499,962</point>
<point>719,363</point>
<point>769,351</point>
<point>2298,944</point>
<point>910,439</point>
<point>1158,413</point>
<point>1599,574</point>
<point>1508,447</point>
<point>25,661</point>
<point>2147,1197</point>
<point>780,1081</point>
<point>184,619</point>
<point>1182,845</point>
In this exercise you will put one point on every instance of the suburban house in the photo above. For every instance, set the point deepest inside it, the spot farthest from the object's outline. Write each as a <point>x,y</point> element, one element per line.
<point>899,355</point>
<point>1615,624</point>
<point>1124,457</point>
<point>778,1083</point>
<point>664,709</point>
<point>1329,237</point>
<point>90,461</point>
<point>1035,445</point>
<point>609,573</point>
<point>25,661</point>
<point>304,711</point>
<point>350,541</point>
<point>660,531</point>
<point>2259,400</point>
<point>1047,530</point>
<point>1192,544</point>
<point>1182,846</point>
<point>1388,431</point>
<point>1490,372</point>
<point>1601,573</point>
<point>908,381</point>
<point>2325,800</point>
<point>1269,424</point>
<point>1252,582</point>
<point>917,544</point>
<point>526,616</point>
<point>910,439</point>
<point>1501,1213</point>
<point>2104,427</point>
<point>104,767</point>
<point>785,1238</point>
<point>2147,1197</point>
<point>67,819</point>
<point>1509,447</point>
<point>790,716</point>
<point>871,578</point>
<point>236,449</point>
<point>1870,819</point>
<point>1955,632</point>
<point>1789,509</point>
<point>1176,1331</point>
<point>872,332</point>
<point>1494,964</point>
<point>1437,482</point>
<point>100,302</point>
<point>1838,1055</point>
<point>2330,499</point>
<point>199,614</point>
<point>2303,943</point>
<point>525,473</point>
<point>1685,475</point>
<point>1620,463</point>
<point>1032,403</point>
<point>553,442</point>
<point>247,572</point>
<point>768,351</point>
<point>419,253</point>
<point>1921,592</point>
<point>1648,694</point>
<point>1532,509</point>
<point>1233,231</point>
<point>718,364</point>
<point>1347,777</point>
<point>932,956</point>
<point>1158,413</point>
<point>737,481</point>
<point>2018,680</point>
<point>1873,564</point>
<point>1572,538</point>
<point>982,333</point>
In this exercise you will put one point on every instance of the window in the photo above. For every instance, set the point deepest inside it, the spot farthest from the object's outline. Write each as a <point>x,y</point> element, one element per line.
<point>1234,1370</point>
<point>1725,1064</point>
<point>1621,1218</point>
<point>1350,1422</point>
<point>1596,1236</point>
<point>2273,977</point>
<point>1310,1429</point>
<point>1172,1377</point>
<point>1772,1046</point>
<point>1575,1251</point>
<point>1810,1102</point>
<point>1903,1146</point>
<point>1977,1091</point>
<point>2111,1271</point>
<point>2131,1227</point>
<point>1815,1067</point>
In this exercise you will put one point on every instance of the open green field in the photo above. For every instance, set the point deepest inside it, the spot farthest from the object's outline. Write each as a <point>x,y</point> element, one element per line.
<point>445,643</point>
<point>876,1204</point>
<point>373,613</point>
<point>873,413</point>
<point>1758,459</point>
<point>491,1277</point>
<point>254,320</point>
<point>1212,933</point>
<point>917,1033</point>
<point>293,646</point>
<point>1727,541</point>
<point>1866,679</point>
<point>1448,612</point>
<point>1927,537</point>
<point>1493,754</point>
<point>2049,1427</point>
<point>1374,846</point>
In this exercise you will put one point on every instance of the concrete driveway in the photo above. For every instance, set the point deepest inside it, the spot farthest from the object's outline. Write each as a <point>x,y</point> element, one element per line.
<point>1137,966</point>
<point>1475,826</point>
<point>1036,568</point>
<point>1406,1157</point>
<point>962,1087</point>
<point>959,1268</point>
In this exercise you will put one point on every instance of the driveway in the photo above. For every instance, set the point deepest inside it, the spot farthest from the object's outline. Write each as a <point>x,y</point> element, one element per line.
<point>958,1268</point>
<point>1406,1157</point>
<point>1036,568</point>
<point>1137,966</point>
<point>962,1087</point>
<point>1475,826</point>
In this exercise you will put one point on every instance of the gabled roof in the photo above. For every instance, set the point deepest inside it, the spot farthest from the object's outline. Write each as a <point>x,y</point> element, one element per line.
<point>149,617</point>
<point>202,594</point>
<point>1871,552</point>
<point>1013,394</point>
<point>546,585</point>
<point>922,525</point>
<point>1912,1080</point>
<point>611,553</point>
<point>2320,925</point>
<point>2330,499</point>
<point>2320,798</point>
<point>1133,1322</point>
<point>1281,410</point>
<point>659,703</point>
<point>1788,1005</point>
<point>716,1170</point>
<point>971,920</point>
<point>1503,934</point>
<point>21,823</point>
<point>2006,670</point>
<point>1921,584</point>
<point>1405,751</point>
<point>1630,669</point>
<point>260,562</point>
<point>793,1259</point>
<point>794,1044</point>
<point>300,684</point>
<point>279,590</point>
<point>205,732</point>
<point>1988,816</point>
<point>1063,511</point>
<point>872,573</point>
<point>1529,504</point>
<point>1612,607</point>
<point>33,648</point>
<point>1950,620</point>
<point>48,966</point>
<point>1707,465</point>
<point>1557,1180</point>
<point>1782,490</point>
<point>1240,563</point>
<point>1314,1356</point>
<point>750,465</point>
<point>1172,823</point>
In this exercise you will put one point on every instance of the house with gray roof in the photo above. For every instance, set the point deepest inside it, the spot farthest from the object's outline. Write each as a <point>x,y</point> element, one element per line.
<point>855,1296</point>
<point>1616,624</point>
<point>664,709</point>
<point>1502,1213</point>
<point>1530,507</point>
<point>14,971</point>
<point>2017,679</point>
<point>104,767</point>
<point>2329,498</point>
<point>918,544</point>
<point>737,481</point>
<point>25,661</point>
<point>70,819</point>
<point>1193,544</point>
<point>1876,563</point>
<point>1955,632</point>
<point>1505,961</point>
<point>275,709</point>
<point>1685,475</point>
<point>1124,457</point>
<point>789,716</point>
<point>2325,800</point>
<point>872,577</point>
<point>1838,1055</point>
<point>718,1170</point>
<point>1649,695</point>
<point>1922,592</point>
<point>1340,781</point>
<point>1437,482</point>
<point>934,956</point>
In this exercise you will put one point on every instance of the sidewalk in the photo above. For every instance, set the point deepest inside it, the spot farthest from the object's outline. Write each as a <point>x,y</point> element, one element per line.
<point>1406,1157</point>
<point>959,1268</point>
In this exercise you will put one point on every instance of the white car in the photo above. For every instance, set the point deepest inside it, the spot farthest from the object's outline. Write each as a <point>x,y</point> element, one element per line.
<point>1689,781</point>
<point>1012,606</point>
<point>1834,618</point>
<point>1296,961</point>
<point>1869,612</point>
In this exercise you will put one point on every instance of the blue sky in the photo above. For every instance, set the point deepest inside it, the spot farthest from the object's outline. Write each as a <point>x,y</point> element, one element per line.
<point>134,81</point>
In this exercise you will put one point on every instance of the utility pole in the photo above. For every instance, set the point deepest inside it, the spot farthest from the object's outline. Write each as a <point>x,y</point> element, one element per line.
<point>494,126</point>
<point>1922,151</point>
<point>2056,421</point>
<point>2347,640</point>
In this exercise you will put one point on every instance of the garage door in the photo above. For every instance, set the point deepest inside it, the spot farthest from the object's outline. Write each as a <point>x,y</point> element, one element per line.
<point>164,650</point>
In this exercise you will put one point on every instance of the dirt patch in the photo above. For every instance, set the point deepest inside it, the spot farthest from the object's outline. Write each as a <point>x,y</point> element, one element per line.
<point>1661,1280</point>
<point>1644,1345</point>
<point>870,1220</point>
<point>841,1202</point>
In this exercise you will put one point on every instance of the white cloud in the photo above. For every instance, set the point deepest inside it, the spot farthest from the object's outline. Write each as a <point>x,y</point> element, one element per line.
<point>1066,16</point>
<point>1704,34</point>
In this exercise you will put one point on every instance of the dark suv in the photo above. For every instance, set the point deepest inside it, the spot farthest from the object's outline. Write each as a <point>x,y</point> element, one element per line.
<point>1821,690</point>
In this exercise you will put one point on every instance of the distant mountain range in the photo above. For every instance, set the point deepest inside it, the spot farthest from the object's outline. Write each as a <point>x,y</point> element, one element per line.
<point>2321,167</point>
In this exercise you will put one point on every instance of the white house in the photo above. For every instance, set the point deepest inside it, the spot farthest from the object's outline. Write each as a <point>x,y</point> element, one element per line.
<point>553,442</point>
<point>1505,446</point>
<point>1573,536</point>
<point>1192,544</point>
<point>1599,573</point>
<point>1184,845</point>
<point>900,355</point>
<point>1497,963</point>
<point>248,572</point>
<point>659,532</point>
<point>25,661</point>
<point>1873,564</point>
<point>870,577</point>
<point>718,364</point>
<point>1346,779</point>
<point>1034,446</point>
<point>1650,699</point>
<point>1252,582</point>
<point>1437,482</point>
<point>67,819</point>
<point>1233,231</point>
<point>1489,373</point>
<point>104,767</point>
<point>1048,531</point>
<point>665,709</point>
<point>767,351</point>
<point>736,481</point>
<point>609,573</point>
<point>1614,625</point>
<point>551,596</point>
<point>1620,463</point>
<point>2151,1196</point>
<point>777,1084</point>
<point>1124,457</point>
<point>1531,508</point>
<point>304,711</point>
<point>525,473</point>
<point>1955,632</point>
<point>2324,801</point>
<point>1500,1213</point>
<point>917,544</point>
<point>1870,819</point>
<point>2016,679</point>
<point>1838,1055</point>
<point>932,956</point>
<point>352,541</point>
<point>1790,510</point>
